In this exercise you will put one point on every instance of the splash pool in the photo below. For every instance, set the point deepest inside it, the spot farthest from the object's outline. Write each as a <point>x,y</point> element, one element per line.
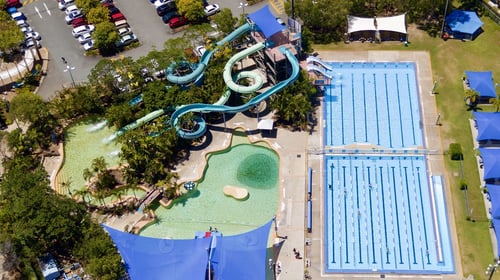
<point>253,167</point>
<point>84,143</point>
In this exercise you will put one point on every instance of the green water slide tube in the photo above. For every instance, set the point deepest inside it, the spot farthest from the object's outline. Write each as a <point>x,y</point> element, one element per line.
<point>174,118</point>
<point>207,55</point>
<point>147,118</point>
<point>257,79</point>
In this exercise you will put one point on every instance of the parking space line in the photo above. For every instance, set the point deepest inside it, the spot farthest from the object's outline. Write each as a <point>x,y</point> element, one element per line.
<point>47,9</point>
<point>38,12</point>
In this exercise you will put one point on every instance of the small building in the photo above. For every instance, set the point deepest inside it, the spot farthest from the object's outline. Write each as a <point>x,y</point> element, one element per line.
<point>463,25</point>
<point>48,265</point>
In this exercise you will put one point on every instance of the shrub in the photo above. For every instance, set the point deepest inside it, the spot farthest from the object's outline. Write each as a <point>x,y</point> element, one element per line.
<point>455,151</point>
<point>463,185</point>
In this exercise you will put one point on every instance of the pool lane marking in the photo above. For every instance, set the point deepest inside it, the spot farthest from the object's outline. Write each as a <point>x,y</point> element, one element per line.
<point>399,110</point>
<point>345,216</point>
<point>364,111</point>
<point>388,109</point>
<point>359,213</point>
<point>353,107</point>
<point>342,112</point>
<point>411,108</point>
<point>383,211</point>
<point>423,215</point>
<point>405,169</point>
<point>397,214</point>
<point>376,107</point>
<point>330,187</point>
<point>370,188</point>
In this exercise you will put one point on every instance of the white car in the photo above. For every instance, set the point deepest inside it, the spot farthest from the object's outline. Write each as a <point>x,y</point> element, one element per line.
<point>26,29</point>
<point>212,9</point>
<point>22,23</point>
<point>71,8</point>
<point>29,43</point>
<point>158,3</point>
<point>65,3</point>
<point>29,35</point>
<point>89,45</point>
<point>84,38</point>
<point>77,31</point>
<point>71,16</point>
<point>124,31</point>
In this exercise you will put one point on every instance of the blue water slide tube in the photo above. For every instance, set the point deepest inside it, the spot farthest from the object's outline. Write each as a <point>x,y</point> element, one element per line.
<point>207,55</point>
<point>312,59</point>
<point>228,109</point>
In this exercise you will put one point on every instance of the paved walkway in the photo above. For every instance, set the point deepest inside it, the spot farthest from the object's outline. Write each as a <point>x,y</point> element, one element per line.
<point>12,72</point>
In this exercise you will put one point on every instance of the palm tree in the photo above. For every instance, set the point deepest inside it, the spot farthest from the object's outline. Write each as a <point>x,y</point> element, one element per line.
<point>496,102</point>
<point>65,186</point>
<point>471,97</point>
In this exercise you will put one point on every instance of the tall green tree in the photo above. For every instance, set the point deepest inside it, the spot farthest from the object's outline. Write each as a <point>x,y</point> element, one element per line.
<point>192,10</point>
<point>28,107</point>
<point>225,20</point>
<point>98,14</point>
<point>105,36</point>
<point>10,34</point>
<point>495,102</point>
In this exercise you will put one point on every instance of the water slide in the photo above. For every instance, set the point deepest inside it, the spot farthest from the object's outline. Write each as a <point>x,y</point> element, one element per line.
<point>315,60</point>
<point>228,77</point>
<point>227,109</point>
<point>312,67</point>
<point>147,118</point>
<point>207,55</point>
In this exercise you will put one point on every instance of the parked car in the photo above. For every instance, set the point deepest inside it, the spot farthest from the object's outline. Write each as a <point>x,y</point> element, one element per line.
<point>127,40</point>
<point>124,31</point>
<point>11,10</point>
<point>84,38</point>
<point>117,17</point>
<point>212,9</point>
<point>63,4</point>
<point>82,29</point>
<point>18,16</point>
<point>79,22</point>
<point>89,45</point>
<point>30,43</point>
<point>13,3</point>
<point>177,22</point>
<point>113,10</point>
<point>29,35</point>
<point>158,3</point>
<point>70,9</point>
<point>166,8</point>
<point>168,16</point>
<point>121,23</point>
<point>72,16</point>
<point>26,29</point>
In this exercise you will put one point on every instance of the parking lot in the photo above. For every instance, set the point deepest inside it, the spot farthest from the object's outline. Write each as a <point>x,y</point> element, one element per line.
<point>45,17</point>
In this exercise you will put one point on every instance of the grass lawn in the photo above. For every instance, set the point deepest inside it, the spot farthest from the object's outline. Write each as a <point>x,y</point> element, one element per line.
<point>449,61</point>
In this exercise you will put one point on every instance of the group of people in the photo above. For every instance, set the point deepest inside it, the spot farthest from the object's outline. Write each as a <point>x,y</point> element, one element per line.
<point>297,254</point>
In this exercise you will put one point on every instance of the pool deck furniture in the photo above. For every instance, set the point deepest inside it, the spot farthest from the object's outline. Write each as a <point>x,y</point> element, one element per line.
<point>235,192</point>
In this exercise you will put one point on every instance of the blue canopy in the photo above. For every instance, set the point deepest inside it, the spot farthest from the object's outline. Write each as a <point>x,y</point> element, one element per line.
<point>466,22</point>
<point>496,225</point>
<point>491,162</point>
<point>488,126</point>
<point>231,257</point>
<point>494,192</point>
<point>482,82</point>
<point>266,21</point>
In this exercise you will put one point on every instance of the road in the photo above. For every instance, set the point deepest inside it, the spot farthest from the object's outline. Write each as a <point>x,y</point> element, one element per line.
<point>45,17</point>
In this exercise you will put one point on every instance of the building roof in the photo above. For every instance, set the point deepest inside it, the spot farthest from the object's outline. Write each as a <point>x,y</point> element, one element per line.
<point>463,21</point>
<point>266,21</point>
<point>488,126</point>
<point>482,82</point>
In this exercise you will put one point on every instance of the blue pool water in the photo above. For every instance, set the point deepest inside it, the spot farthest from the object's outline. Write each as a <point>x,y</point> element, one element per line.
<point>383,213</point>
<point>373,103</point>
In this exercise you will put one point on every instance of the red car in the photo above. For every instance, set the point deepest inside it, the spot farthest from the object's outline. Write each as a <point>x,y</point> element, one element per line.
<point>117,17</point>
<point>177,22</point>
<point>78,22</point>
<point>13,3</point>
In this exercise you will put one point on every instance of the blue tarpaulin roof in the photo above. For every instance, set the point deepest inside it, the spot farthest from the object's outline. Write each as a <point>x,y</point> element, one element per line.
<point>231,257</point>
<point>266,21</point>
<point>488,126</point>
<point>491,163</point>
<point>482,82</point>
<point>464,21</point>
<point>494,192</point>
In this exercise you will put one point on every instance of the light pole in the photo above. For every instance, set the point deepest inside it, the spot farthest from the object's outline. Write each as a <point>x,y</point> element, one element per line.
<point>242,6</point>
<point>68,69</point>
<point>490,270</point>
